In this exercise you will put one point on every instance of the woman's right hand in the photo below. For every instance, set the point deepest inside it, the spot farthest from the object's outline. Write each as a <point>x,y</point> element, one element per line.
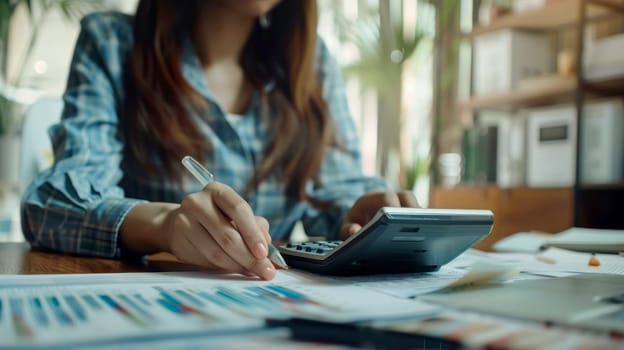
<point>216,228</point>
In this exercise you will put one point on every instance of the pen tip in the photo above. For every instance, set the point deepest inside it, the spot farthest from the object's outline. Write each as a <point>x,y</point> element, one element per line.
<point>277,258</point>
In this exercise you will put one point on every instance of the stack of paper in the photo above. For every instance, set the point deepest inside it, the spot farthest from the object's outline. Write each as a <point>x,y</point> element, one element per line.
<point>575,238</point>
<point>588,240</point>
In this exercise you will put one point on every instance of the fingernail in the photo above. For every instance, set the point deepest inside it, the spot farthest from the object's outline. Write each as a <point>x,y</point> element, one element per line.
<point>268,273</point>
<point>260,251</point>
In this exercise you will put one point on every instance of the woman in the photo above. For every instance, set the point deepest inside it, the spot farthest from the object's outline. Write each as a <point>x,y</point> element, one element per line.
<point>243,86</point>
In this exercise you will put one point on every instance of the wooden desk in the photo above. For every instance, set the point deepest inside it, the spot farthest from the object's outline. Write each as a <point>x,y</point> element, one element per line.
<point>18,258</point>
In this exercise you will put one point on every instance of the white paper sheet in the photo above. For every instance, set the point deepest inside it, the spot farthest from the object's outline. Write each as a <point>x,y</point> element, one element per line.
<point>589,240</point>
<point>557,262</point>
<point>405,285</point>
<point>84,308</point>
<point>523,242</point>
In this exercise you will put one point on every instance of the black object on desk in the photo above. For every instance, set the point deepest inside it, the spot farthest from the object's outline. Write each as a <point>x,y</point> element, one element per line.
<point>360,336</point>
<point>395,240</point>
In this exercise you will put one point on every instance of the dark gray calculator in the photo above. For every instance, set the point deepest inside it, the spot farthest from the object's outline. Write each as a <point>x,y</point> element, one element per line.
<point>395,240</point>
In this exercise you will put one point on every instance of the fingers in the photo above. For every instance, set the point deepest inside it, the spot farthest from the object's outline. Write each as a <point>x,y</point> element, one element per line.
<point>353,229</point>
<point>407,199</point>
<point>367,205</point>
<point>210,249</point>
<point>238,210</point>
<point>372,201</point>
<point>182,247</point>
<point>218,237</point>
<point>264,228</point>
<point>226,262</point>
<point>376,200</point>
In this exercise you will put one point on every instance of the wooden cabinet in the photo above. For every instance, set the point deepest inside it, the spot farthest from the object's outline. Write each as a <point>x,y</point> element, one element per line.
<point>515,210</point>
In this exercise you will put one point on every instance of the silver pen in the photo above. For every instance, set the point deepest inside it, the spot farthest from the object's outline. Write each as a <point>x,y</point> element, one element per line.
<point>205,177</point>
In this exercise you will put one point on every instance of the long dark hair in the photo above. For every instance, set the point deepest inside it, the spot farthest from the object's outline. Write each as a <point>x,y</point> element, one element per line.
<point>159,101</point>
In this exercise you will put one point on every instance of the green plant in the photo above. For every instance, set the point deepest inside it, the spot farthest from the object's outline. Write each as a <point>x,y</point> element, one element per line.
<point>418,168</point>
<point>385,46</point>
<point>37,12</point>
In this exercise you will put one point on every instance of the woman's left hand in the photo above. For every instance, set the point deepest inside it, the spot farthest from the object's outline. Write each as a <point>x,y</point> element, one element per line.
<point>367,205</point>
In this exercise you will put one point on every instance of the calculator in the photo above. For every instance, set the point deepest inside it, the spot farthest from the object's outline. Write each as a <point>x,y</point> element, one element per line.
<point>395,240</point>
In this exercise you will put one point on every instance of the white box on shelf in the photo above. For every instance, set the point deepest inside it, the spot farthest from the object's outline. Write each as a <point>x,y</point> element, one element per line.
<point>551,146</point>
<point>511,145</point>
<point>602,155</point>
<point>604,58</point>
<point>505,57</point>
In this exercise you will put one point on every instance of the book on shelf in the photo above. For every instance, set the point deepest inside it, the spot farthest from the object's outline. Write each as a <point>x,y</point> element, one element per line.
<point>479,149</point>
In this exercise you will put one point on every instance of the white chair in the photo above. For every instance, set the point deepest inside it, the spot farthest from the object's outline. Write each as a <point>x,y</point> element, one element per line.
<point>36,148</point>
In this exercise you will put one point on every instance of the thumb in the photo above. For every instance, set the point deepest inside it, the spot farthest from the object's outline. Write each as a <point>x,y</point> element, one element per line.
<point>350,229</point>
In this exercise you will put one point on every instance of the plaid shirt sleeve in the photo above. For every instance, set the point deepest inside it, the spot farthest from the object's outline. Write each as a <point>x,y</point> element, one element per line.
<point>77,205</point>
<point>341,180</point>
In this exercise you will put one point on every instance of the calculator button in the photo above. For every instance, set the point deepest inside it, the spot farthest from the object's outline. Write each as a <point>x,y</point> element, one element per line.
<point>308,249</point>
<point>290,245</point>
<point>320,251</point>
<point>299,247</point>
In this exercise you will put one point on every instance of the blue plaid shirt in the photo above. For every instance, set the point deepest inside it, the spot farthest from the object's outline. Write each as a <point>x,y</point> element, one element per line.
<point>78,205</point>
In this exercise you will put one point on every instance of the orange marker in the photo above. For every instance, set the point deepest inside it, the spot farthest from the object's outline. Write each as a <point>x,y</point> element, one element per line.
<point>593,261</point>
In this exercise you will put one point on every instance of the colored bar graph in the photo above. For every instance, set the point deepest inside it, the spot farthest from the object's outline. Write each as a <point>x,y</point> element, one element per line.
<point>39,314</point>
<point>176,306</point>
<point>230,296</point>
<point>270,304</point>
<point>75,306</point>
<point>120,309</point>
<point>188,296</point>
<point>126,299</point>
<point>170,306</point>
<point>58,311</point>
<point>289,296</point>
<point>90,300</point>
<point>287,293</point>
<point>22,330</point>
<point>142,299</point>
<point>247,301</point>
<point>213,299</point>
<point>259,293</point>
<point>232,302</point>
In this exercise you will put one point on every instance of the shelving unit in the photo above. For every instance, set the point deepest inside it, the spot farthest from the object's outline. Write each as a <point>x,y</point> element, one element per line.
<point>558,14</point>
<point>560,90</point>
<point>546,209</point>
<point>595,205</point>
<point>608,87</point>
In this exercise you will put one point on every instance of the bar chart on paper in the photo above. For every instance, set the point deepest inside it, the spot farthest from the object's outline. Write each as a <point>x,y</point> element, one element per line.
<point>44,313</point>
